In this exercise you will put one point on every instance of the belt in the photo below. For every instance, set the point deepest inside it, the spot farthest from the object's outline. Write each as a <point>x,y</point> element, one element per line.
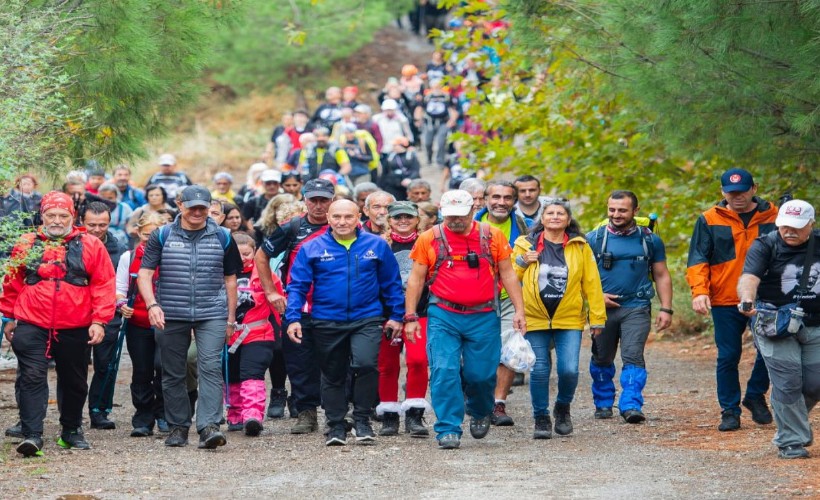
<point>246,329</point>
<point>458,307</point>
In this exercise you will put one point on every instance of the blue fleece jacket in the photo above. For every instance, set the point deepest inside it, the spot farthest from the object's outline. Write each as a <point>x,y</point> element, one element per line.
<point>348,285</point>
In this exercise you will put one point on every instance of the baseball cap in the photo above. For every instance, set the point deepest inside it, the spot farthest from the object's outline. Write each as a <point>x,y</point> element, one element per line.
<point>195,196</point>
<point>320,187</point>
<point>736,180</point>
<point>167,159</point>
<point>349,128</point>
<point>390,105</point>
<point>456,203</point>
<point>403,207</point>
<point>271,175</point>
<point>795,213</point>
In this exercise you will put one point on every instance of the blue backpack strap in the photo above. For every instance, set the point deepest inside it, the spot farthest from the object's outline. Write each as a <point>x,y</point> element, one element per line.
<point>163,234</point>
<point>598,245</point>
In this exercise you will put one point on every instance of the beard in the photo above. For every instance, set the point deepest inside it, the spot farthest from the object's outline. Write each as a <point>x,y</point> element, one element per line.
<point>56,232</point>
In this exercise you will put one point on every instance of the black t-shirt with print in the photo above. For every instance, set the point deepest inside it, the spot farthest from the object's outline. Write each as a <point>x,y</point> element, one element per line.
<point>779,267</point>
<point>552,275</point>
<point>402,253</point>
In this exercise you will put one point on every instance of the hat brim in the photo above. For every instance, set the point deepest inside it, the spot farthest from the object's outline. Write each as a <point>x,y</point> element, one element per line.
<point>736,188</point>
<point>405,211</point>
<point>196,203</point>
<point>319,194</point>
<point>456,211</point>
<point>788,220</point>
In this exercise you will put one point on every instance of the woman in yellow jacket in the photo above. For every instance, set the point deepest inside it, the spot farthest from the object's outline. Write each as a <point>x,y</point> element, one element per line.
<point>558,273</point>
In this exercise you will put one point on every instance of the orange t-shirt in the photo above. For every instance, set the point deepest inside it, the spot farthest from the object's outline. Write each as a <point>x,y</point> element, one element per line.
<point>456,282</point>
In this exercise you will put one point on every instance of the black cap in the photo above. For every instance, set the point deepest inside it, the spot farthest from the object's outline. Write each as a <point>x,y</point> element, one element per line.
<point>319,187</point>
<point>195,196</point>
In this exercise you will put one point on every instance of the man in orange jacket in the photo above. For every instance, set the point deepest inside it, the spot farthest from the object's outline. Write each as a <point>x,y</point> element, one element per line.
<point>722,236</point>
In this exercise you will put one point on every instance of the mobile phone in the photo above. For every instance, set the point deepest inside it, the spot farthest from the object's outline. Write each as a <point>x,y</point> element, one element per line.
<point>745,306</point>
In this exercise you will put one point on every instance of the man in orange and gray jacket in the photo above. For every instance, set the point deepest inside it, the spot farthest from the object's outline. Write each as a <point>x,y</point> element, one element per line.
<point>722,236</point>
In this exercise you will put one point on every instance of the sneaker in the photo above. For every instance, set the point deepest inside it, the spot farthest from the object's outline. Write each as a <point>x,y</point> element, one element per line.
<point>15,431</point>
<point>729,422</point>
<point>449,442</point>
<point>390,424</point>
<point>178,437</point>
<point>31,447</point>
<point>603,413</point>
<point>306,424</point>
<point>760,410</point>
<point>479,427</point>
<point>99,420</point>
<point>336,436</point>
<point>563,420</point>
<point>140,432</point>
<point>278,400</point>
<point>363,432</point>
<point>253,427</point>
<point>633,416</point>
<point>793,451</point>
<point>162,426</point>
<point>414,423</point>
<point>518,379</point>
<point>210,438</point>
<point>235,427</point>
<point>499,416</point>
<point>543,427</point>
<point>73,439</point>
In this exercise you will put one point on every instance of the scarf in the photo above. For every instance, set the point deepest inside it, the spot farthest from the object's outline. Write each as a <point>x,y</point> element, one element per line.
<point>622,232</point>
<point>404,239</point>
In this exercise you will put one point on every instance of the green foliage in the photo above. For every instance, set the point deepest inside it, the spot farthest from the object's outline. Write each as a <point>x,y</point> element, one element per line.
<point>296,42</point>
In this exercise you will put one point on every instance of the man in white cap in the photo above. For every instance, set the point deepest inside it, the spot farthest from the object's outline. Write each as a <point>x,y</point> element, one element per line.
<point>168,177</point>
<point>462,261</point>
<point>392,124</point>
<point>271,182</point>
<point>777,273</point>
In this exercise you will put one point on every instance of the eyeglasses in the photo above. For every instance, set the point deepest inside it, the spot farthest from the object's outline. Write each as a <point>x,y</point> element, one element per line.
<point>553,200</point>
<point>403,216</point>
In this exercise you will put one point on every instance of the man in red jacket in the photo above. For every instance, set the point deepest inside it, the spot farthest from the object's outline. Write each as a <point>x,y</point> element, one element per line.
<point>57,301</point>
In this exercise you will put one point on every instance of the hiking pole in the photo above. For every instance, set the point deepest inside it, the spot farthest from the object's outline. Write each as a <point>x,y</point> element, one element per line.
<point>227,390</point>
<point>106,397</point>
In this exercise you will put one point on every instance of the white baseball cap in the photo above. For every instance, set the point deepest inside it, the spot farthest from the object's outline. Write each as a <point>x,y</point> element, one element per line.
<point>390,105</point>
<point>795,213</point>
<point>167,159</point>
<point>271,175</point>
<point>456,203</point>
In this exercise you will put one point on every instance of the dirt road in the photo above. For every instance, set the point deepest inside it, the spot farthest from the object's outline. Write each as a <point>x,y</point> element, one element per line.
<point>677,453</point>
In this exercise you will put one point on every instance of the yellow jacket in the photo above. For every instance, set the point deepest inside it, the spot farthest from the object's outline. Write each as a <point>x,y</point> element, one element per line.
<point>583,283</point>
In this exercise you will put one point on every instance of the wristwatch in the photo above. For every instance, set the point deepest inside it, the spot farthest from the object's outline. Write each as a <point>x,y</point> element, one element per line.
<point>667,311</point>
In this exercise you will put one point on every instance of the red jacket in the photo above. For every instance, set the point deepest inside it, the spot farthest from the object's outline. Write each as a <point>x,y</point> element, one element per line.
<point>55,304</point>
<point>140,316</point>
<point>257,317</point>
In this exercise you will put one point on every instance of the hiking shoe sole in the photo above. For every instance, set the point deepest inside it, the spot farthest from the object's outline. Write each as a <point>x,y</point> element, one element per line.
<point>335,441</point>
<point>214,441</point>
<point>29,449</point>
<point>449,443</point>
<point>253,428</point>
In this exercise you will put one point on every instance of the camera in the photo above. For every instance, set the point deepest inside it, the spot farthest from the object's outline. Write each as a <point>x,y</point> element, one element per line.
<point>795,319</point>
<point>472,260</point>
<point>745,306</point>
<point>388,334</point>
<point>606,260</point>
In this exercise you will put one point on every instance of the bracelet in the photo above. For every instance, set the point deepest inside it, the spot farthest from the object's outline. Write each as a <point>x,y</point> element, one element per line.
<point>409,318</point>
<point>155,304</point>
<point>667,311</point>
<point>98,323</point>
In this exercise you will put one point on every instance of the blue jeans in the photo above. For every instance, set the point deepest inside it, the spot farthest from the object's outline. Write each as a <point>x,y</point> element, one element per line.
<point>729,328</point>
<point>452,337</point>
<point>567,351</point>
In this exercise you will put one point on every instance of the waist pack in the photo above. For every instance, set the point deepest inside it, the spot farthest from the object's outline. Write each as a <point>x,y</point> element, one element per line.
<point>773,322</point>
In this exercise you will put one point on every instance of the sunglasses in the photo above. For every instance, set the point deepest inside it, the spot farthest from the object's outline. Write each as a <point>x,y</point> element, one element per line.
<point>550,200</point>
<point>291,176</point>
<point>403,216</point>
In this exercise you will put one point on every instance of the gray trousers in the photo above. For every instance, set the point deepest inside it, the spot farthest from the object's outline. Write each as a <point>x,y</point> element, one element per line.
<point>174,341</point>
<point>794,369</point>
<point>628,326</point>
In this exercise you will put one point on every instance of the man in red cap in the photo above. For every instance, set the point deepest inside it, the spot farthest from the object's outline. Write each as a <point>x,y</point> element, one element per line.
<point>56,301</point>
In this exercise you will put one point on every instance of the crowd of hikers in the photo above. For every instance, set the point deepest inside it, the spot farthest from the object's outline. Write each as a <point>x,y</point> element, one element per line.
<point>333,259</point>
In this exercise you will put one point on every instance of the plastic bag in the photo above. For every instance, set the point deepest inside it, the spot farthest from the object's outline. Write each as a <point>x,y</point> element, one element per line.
<point>516,352</point>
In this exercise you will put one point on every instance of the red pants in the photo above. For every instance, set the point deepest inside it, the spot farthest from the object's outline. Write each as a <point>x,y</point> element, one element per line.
<point>389,367</point>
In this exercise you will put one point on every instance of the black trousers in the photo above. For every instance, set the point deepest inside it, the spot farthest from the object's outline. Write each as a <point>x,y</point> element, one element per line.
<point>250,362</point>
<point>102,354</point>
<point>146,376</point>
<point>278,369</point>
<point>69,348</point>
<point>304,374</point>
<point>343,346</point>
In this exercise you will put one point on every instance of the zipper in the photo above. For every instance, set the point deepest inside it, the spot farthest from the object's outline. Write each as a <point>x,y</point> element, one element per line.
<point>193,278</point>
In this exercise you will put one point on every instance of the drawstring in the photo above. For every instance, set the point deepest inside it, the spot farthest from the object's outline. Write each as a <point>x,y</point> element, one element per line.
<point>52,335</point>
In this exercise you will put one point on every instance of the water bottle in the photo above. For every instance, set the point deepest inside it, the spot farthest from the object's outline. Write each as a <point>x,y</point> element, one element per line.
<point>795,319</point>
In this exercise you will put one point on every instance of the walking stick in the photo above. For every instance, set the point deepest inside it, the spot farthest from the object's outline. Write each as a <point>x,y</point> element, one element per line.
<point>227,390</point>
<point>106,396</point>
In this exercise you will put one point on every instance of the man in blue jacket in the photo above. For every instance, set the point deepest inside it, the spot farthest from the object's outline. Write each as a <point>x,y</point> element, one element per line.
<point>355,284</point>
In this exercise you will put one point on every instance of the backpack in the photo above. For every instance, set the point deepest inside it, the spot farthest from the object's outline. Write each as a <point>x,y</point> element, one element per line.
<point>224,236</point>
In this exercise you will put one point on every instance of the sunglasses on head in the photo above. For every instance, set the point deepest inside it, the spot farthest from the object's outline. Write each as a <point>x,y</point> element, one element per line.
<point>291,175</point>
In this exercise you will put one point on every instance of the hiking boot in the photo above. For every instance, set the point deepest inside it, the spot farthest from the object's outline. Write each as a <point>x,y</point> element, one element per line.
<point>543,427</point>
<point>633,416</point>
<point>292,408</point>
<point>278,400</point>
<point>499,416</point>
<point>140,432</point>
<point>518,379</point>
<point>729,422</point>
<point>336,436</point>
<point>253,427</point>
<point>306,424</point>
<point>789,452</point>
<point>15,431</point>
<point>31,447</point>
<point>235,427</point>
<point>603,413</point>
<point>390,424</point>
<point>99,420</point>
<point>211,437</point>
<point>363,432</point>
<point>760,410</point>
<point>162,426</point>
<point>563,420</point>
<point>73,439</point>
<point>479,427</point>
<point>449,442</point>
<point>414,423</point>
<point>178,437</point>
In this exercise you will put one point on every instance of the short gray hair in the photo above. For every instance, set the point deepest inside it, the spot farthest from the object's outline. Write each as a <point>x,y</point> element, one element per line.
<point>416,183</point>
<point>473,185</point>
<point>364,187</point>
<point>376,194</point>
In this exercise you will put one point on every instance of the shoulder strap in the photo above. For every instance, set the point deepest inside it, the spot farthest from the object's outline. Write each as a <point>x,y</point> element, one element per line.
<point>163,234</point>
<point>485,235</point>
<point>224,235</point>
<point>442,252</point>
<point>599,242</point>
<point>804,278</point>
<point>648,246</point>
